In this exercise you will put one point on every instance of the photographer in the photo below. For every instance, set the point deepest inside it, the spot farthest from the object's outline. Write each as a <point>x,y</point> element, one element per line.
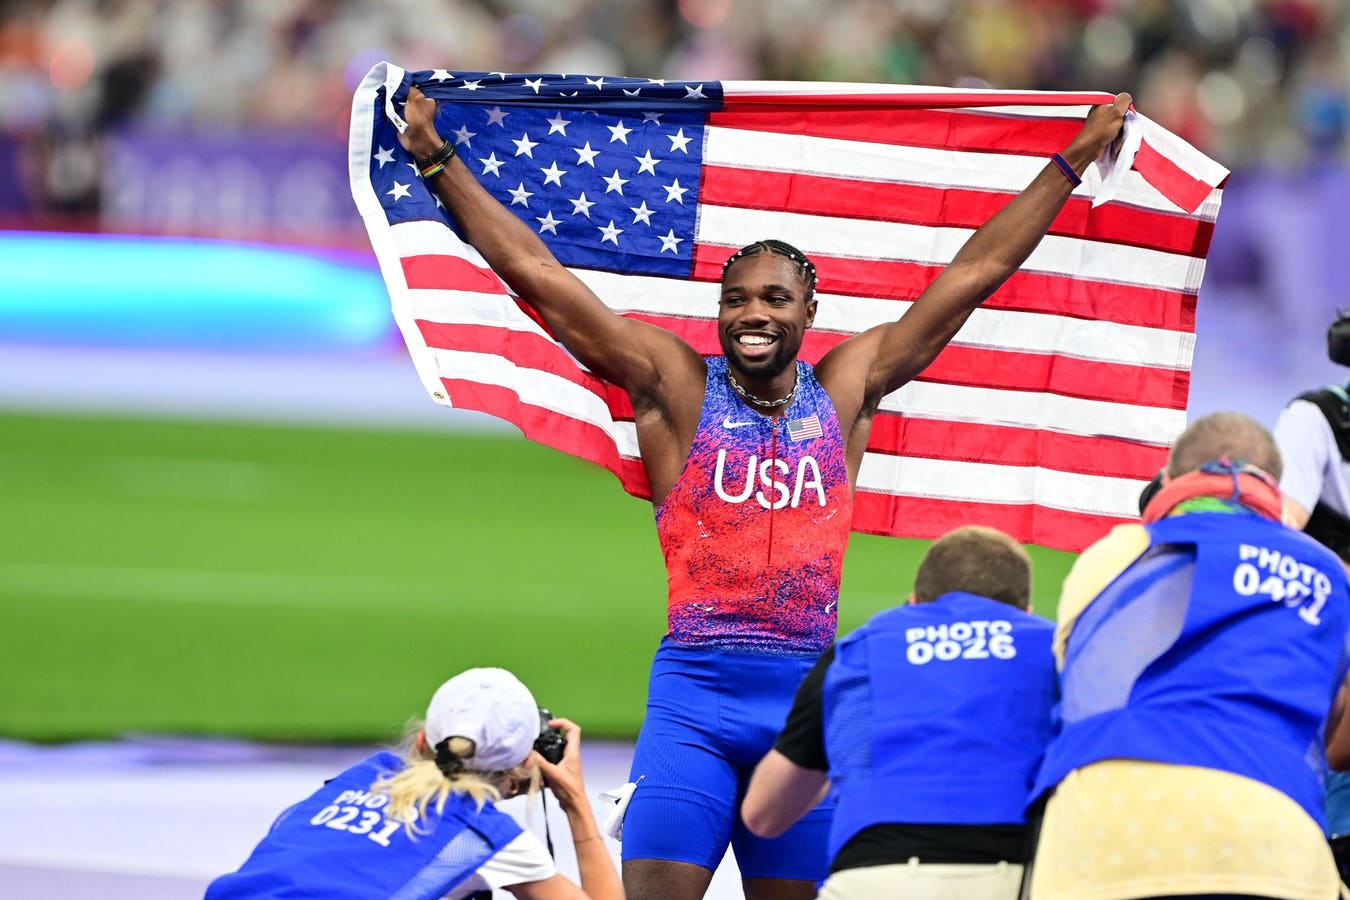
<point>1313,434</point>
<point>927,723</point>
<point>426,825</point>
<point>1199,654</point>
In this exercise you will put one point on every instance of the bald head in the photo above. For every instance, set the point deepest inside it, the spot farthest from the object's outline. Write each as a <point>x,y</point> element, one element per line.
<point>1230,434</point>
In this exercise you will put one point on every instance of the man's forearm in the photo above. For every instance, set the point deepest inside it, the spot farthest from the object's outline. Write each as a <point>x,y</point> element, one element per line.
<point>512,250</point>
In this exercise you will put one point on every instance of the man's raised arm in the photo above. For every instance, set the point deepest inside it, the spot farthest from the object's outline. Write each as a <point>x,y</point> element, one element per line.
<point>861,371</point>
<point>625,352</point>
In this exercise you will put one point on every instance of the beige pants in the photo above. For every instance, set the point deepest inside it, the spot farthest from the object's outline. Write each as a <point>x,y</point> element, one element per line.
<point>925,881</point>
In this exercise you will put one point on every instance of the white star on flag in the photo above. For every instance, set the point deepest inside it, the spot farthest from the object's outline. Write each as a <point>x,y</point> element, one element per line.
<point>582,205</point>
<point>614,183</point>
<point>497,116</point>
<point>463,134</point>
<point>585,155</point>
<point>399,190</point>
<point>597,83</point>
<point>558,124</point>
<point>670,242</point>
<point>492,164</point>
<point>678,141</point>
<point>385,156</point>
<point>547,222</point>
<point>553,174</point>
<point>619,132</point>
<point>675,192</point>
<point>441,75</point>
<point>520,195</point>
<point>471,85</point>
<point>642,214</point>
<point>534,84</point>
<point>646,163</point>
<point>694,93</point>
<point>610,233</point>
<point>652,117</point>
<point>525,146</point>
<point>633,93</point>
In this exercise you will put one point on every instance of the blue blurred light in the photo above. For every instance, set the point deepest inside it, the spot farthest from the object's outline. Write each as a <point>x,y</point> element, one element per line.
<point>178,293</point>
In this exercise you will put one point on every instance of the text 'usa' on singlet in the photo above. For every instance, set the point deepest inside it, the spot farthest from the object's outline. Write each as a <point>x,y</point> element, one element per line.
<point>755,527</point>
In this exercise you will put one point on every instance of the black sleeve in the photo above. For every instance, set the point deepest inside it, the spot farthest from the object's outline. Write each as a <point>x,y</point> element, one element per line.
<point>803,737</point>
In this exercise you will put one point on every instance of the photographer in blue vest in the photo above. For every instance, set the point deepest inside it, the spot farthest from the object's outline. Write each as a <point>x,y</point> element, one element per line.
<point>1200,653</point>
<point>928,724</point>
<point>424,825</point>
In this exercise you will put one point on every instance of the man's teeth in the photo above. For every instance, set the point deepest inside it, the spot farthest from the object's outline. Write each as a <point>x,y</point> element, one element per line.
<point>754,340</point>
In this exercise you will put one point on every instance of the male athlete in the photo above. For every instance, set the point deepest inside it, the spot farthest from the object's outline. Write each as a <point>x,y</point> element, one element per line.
<point>751,458</point>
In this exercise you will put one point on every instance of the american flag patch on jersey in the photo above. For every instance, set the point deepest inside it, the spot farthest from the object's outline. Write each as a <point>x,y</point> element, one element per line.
<point>804,429</point>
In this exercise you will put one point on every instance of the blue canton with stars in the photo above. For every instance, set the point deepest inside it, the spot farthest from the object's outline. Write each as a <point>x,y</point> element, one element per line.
<point>605,170</point>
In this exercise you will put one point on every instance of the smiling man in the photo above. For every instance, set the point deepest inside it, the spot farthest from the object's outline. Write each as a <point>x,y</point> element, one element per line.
<point>751,458</point>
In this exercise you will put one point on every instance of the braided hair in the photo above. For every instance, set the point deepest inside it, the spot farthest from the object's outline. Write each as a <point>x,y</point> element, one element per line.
<point>805,268</point>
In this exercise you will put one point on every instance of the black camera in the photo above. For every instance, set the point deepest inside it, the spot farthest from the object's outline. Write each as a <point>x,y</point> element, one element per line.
<point>1338,339</point>
<point>551,741</point>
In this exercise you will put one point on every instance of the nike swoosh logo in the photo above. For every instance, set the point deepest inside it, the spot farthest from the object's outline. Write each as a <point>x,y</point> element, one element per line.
<point>727,423</point>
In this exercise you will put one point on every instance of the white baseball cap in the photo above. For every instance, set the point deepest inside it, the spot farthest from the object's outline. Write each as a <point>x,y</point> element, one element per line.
<point>491,708</point>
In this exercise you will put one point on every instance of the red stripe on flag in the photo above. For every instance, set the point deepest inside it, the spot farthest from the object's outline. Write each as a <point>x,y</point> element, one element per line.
<point>925,517</point>
<point>1023,292</point>
<point>943,129</point>
<point>445,272</point>
<point>944,207</point>
<point>553,429</point>
<point>901,435</point>
<point>1172,181</point>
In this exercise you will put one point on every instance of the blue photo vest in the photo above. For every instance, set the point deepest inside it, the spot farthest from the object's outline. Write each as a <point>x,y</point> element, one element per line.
<point>938,713</point>
<point>1222,647</point>
<point>338,844</point>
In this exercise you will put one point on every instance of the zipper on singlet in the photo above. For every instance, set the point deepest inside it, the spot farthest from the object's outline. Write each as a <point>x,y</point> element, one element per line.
<point>773,466</point>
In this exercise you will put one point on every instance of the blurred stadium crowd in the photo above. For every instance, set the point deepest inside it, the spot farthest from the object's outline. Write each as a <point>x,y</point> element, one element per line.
<point>1245,80</point>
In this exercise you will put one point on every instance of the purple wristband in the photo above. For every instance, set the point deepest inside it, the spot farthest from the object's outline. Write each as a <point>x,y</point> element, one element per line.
<point>1067,169</point>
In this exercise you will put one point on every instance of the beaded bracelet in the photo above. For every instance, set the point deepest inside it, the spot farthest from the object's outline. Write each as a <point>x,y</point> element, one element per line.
<point>1067,169</point>
<point>436,161</point>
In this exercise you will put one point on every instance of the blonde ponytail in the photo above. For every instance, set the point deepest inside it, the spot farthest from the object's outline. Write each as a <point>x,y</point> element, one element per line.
<point>420,783</point>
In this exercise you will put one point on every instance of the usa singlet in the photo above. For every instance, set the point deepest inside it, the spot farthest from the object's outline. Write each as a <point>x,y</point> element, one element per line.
<point>754,529</point>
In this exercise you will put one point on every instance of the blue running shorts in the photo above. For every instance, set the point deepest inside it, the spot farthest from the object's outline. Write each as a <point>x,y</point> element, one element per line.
<point>712,714</point>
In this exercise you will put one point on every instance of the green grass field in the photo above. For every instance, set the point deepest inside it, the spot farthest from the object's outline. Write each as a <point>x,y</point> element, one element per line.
<point>316,584</point>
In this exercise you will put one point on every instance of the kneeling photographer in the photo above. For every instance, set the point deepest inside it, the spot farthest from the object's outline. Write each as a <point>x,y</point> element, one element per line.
<point>424,823</point>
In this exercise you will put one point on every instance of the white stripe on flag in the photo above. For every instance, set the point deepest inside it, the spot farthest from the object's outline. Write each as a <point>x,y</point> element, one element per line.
<point>898,164</point>
<point>986,483</point>
<point>1029,409</point>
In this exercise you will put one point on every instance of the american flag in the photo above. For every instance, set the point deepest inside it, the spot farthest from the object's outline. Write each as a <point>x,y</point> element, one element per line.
<point>1044,417</point>
<point>804,429</point>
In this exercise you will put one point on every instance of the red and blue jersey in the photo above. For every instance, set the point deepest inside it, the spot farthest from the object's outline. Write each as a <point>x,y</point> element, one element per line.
<point>754,529</point>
